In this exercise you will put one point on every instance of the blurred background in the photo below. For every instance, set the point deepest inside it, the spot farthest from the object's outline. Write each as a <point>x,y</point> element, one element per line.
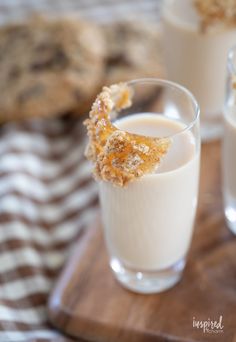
<point>100,10</point>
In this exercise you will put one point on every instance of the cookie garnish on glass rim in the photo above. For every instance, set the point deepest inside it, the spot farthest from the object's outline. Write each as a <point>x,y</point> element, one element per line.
<point>119,157</point>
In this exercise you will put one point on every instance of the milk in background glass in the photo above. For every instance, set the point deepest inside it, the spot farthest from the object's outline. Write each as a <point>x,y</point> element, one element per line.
<point>197,59</point>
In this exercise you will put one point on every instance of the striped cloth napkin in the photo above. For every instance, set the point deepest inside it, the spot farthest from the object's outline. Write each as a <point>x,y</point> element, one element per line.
<point>46,197</point>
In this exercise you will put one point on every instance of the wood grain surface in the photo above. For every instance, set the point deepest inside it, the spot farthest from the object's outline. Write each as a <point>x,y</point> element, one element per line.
<point>88,302</point>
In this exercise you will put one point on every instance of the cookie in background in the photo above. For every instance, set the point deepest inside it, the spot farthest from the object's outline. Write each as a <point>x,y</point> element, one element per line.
<point>133,51</point>
<point>49,67</point>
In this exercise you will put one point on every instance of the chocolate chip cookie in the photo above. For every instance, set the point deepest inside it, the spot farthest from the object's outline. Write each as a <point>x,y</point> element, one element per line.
<point>48,67</point>
<point>133,51</point>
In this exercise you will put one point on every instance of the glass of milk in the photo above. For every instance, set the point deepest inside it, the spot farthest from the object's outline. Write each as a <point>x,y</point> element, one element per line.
<point>149,223</point>
<point>197,59</point>
<point>229,144</point>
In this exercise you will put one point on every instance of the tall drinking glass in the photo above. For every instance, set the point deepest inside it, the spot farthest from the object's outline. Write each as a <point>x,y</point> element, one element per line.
<point>197,59</point>
<point>229,144</point>
<point>148,224</point>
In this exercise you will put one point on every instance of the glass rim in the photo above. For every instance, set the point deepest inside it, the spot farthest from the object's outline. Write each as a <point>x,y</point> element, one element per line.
<point>231,64</point>
<point>162,82</point>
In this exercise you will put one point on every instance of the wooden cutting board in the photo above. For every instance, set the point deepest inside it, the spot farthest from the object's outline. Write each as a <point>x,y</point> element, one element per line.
<point>88,302</point>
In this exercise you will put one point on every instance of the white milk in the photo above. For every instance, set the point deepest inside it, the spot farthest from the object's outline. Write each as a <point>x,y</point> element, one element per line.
<point>194,59</point>
<point>148,225</point>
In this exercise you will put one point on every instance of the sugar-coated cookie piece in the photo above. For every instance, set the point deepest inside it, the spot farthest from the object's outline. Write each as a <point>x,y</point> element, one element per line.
<point>216,11</point>
<point>119,157</point>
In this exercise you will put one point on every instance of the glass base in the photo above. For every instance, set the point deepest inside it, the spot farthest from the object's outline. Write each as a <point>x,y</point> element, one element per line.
<point>230,216</point>
<point>147,282</point>
<point>211,129</point>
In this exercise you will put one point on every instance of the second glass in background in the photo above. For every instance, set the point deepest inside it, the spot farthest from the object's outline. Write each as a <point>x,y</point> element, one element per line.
<point>229,144</point>
<point>197,60</point>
